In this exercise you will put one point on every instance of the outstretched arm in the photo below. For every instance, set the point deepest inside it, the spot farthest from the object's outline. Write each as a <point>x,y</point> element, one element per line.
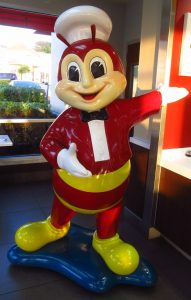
<point>141,107</point>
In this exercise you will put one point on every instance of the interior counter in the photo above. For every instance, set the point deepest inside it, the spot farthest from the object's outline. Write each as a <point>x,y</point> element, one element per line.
<point>176,161</point>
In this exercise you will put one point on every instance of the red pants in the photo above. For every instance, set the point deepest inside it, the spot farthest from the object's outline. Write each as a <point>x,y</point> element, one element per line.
<point>106,221</point>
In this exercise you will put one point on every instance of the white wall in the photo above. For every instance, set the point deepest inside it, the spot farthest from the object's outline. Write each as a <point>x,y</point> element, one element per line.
<point>133,21</point>
<point>132,25</point>
<point>150,31</point>
<point>57,49</point>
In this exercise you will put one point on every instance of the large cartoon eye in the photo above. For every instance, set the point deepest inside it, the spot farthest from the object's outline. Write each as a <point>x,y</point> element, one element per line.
<point>98,67</point>
<point>74,71</point>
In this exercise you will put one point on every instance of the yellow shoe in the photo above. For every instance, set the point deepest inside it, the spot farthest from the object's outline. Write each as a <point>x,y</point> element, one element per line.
<point>120,257</point>
<point>33,236</point>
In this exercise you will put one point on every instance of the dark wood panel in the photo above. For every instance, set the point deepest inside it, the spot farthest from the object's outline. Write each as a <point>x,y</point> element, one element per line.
<point>132,59</point>
<point>25,173</point>
<point>173,218</point>
<point>135,195</point>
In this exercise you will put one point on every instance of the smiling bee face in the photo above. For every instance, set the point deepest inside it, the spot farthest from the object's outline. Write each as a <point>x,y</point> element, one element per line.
<point>90,81</point>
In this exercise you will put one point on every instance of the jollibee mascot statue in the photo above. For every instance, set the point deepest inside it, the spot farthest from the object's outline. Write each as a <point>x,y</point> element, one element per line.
<point>87,145</point>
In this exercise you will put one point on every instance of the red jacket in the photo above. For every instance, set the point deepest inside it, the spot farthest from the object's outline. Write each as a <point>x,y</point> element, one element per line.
<point>69,128</point>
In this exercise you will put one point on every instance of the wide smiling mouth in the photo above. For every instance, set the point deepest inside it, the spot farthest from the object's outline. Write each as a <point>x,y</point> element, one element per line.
<point>88,97</point>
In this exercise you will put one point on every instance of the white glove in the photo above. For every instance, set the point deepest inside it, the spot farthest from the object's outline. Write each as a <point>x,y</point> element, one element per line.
<point>68,160</point>
<point>172,94</point>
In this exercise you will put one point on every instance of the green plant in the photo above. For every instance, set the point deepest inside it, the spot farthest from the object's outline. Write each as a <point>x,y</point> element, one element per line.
<point>11,109</point>
<point>22,94</point>
<point>4,82</point>
<point>22,102</point>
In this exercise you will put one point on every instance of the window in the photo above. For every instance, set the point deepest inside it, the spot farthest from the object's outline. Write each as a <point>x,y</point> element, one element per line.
<point>24,104</point>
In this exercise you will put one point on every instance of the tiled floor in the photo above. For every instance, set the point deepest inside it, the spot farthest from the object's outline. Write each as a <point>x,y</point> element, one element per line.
<point>32,201</point>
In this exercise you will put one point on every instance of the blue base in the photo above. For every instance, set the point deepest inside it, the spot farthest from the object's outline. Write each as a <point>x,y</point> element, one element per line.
<point>74,257</point>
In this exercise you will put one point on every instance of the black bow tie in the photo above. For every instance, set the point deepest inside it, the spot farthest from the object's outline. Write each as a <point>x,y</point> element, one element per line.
<point>94,115</point>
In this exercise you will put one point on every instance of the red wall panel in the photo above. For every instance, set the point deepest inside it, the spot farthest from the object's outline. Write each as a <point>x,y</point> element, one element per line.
<point>178,120</point>
<point>26,19</point>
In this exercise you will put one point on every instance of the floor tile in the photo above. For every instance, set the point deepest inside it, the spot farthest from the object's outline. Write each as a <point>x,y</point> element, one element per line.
<point>10,222</point>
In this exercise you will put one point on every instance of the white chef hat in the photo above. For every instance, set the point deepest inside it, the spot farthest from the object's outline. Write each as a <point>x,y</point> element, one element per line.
<point>75,23</point>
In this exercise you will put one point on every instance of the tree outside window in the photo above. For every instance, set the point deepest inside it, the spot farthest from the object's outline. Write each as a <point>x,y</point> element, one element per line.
<point>23,69</point>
